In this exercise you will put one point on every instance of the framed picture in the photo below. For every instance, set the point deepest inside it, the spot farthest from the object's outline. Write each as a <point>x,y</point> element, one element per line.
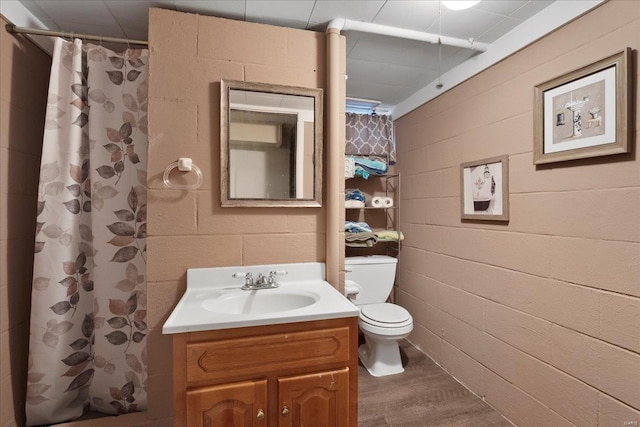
<point>585,113</point>
<point>485,189</point>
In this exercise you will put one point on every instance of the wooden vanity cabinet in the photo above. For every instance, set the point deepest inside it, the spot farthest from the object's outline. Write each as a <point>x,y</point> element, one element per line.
<point>227,405</point>
<point>277,375</point>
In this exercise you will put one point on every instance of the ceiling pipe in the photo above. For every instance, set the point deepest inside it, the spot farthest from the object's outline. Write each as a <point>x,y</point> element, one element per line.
<point>342,24</point>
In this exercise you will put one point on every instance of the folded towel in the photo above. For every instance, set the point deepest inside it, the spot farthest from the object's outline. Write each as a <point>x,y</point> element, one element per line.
<point>360,240</point>
<point>359,171</point>
<point>367,167</point>
<point>374,167</point>
<point>356,227</point>
<point>354,194</point>
<point>353,204</point>
<point>389,235</point>
<point>349,167</point>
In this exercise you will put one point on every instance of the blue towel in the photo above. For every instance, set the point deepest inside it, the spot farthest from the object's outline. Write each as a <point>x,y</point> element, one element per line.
<point>351,194</point>
<point>356,227</point>
<point>366,167</point>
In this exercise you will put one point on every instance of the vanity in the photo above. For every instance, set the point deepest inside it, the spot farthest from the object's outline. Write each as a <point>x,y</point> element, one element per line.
<point>267,355</point>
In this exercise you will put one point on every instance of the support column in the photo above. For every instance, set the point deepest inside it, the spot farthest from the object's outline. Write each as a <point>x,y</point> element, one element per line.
<point>334,158</point>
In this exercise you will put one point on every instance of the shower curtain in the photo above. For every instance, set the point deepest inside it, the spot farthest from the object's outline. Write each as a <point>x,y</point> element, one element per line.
<point>88,310</point>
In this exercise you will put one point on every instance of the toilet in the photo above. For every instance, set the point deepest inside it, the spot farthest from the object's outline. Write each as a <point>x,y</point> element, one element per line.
<point>368,284</point>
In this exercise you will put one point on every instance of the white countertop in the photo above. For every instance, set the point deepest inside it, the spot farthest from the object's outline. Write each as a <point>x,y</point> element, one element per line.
<point>207,287</point>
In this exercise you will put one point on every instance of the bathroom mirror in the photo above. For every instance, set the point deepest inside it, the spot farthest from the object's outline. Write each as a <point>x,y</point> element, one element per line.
<point>271,145</point>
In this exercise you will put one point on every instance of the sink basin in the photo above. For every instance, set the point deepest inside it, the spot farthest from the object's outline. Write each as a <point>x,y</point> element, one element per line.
<point>259,302</point>
<point>213,299</point>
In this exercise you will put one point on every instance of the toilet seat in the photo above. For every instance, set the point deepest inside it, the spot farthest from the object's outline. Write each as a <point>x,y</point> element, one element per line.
<point>385,315</point>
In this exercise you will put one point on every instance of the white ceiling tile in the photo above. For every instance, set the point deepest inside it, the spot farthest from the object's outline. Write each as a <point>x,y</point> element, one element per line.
<point>391,95</point>
<point>85,13</point>
<point>33,7</point>
<point>372,47</point>
<point>500,7</point>
<point>499,30</point>
<point>465,24</point>
<point>385,68</point>
<point>289,23</point>
<point>531,8</point>
<point>100,30</point>
<point>135,34</point>
<point>352,40</point>
<point>414,15</point>
<point>325,10</point>
<point>410,53</point>
<point>276,10</point>
<point>126,13</point>
<point>135,14</point>
<point>387,74</point>
<point>234,9</point>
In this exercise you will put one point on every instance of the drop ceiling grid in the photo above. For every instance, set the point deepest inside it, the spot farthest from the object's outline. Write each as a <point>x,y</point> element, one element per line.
<point>384,68</point>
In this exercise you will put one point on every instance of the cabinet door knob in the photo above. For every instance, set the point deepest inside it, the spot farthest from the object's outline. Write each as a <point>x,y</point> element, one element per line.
<point>285,410</point>
<point>260,414</point>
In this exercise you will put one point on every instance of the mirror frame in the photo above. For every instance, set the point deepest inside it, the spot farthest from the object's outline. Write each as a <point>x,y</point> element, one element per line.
<point>316,93</point>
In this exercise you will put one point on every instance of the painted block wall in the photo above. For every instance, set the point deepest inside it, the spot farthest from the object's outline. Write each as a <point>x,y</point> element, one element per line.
<point>189,55</point>
<point>24,79</point>
<point>541,316</point>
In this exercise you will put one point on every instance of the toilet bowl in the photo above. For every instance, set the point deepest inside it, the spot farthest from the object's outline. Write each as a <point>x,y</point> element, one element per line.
<point>383,325</point>
<point>369,283</point>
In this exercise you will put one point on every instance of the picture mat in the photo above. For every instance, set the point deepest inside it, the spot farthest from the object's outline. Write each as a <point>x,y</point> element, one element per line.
<point>609,136</point>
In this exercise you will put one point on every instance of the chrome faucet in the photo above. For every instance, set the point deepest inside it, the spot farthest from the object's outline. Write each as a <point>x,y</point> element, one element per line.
<point>260,282</point>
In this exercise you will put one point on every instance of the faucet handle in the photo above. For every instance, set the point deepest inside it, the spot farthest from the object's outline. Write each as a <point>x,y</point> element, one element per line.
<point>273,273</point>
<point>248,279</point>
<point>272,277</point>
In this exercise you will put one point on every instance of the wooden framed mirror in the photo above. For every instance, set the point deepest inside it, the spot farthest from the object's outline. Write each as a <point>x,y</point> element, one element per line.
<point>270,145</point>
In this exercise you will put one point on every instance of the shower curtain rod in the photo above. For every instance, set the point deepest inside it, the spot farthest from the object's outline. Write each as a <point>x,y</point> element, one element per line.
<point>11,28</point>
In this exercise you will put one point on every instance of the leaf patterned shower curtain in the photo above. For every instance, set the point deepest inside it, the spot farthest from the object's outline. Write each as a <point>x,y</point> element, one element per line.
<point>88,310</point>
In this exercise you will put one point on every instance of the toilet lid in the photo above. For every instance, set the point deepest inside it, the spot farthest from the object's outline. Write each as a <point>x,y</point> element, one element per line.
<point>385,313</point>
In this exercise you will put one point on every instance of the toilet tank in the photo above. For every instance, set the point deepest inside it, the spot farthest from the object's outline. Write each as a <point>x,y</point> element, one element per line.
<point>374,276</point>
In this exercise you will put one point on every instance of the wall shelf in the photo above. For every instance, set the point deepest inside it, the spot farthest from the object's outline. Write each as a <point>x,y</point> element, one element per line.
<point>374,208</point>
<point>391,184</point>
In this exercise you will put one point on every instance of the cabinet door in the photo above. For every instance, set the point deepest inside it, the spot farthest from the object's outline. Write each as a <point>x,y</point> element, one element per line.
<point>228,405</point>
<point>319,399</point>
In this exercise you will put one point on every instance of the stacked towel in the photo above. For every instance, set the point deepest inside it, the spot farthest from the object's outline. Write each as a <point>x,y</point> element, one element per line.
<point>367,167</point>
<point>361,239</point>
<point>389,235</point>
<point>354,194</point>
<point>356,227</point>
<point>353,204</point>
<point>354,198</point>
<point>349,167</point>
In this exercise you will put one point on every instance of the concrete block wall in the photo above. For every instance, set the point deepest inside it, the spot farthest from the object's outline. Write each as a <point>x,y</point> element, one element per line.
<point>24,79</point>
<point>189,55</point>
<point>540,316</point>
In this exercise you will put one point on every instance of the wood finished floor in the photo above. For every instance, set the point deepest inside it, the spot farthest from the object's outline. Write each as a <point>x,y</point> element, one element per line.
<point>424,395</point>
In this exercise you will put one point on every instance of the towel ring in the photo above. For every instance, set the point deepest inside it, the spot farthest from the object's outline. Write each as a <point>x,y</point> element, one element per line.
<point>184,164</point>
